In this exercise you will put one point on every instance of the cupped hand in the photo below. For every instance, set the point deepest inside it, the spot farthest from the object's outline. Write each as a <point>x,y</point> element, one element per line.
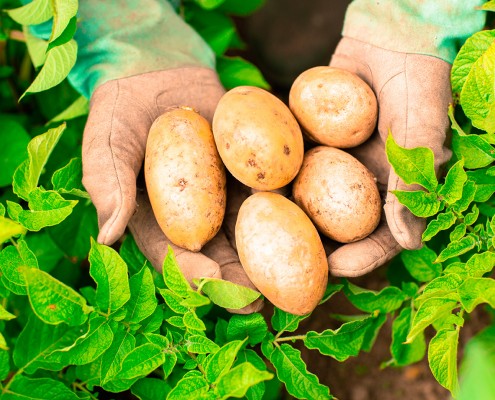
<point>413,93</point>
<point>121,114</point>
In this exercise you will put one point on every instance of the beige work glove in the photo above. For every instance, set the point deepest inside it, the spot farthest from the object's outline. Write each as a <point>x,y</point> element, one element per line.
<point>114,142</point>
<point>413,93</point>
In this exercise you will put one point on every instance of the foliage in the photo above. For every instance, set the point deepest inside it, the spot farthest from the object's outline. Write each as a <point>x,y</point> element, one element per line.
<point>78,319</point>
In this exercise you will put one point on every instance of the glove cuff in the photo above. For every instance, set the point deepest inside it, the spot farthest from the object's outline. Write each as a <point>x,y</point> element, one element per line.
<point>430,27</point>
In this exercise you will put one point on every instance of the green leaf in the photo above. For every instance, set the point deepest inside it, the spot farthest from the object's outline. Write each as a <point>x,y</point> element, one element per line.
<point>9,229</point>
<point>480,263</point>
<point>227,294</point>
<point>470,218</point>
<point>142,302</point>
<point>440,287</point>
<point>257,391</point>
<point>442,222</point>
<point>110,274</point>
<point>68,179</point>
<point>458,233</point>
<point>78,108</point>
<point>38,389</point>
<point>53,301</point>
<point>431,310</point>
<point>132,255</point>
<point>141,361</point>
<point>59,61</point>
<point>37,341</point>
<point>412,165</point>
<point>451,190</point>
<point>191,321</point>
<point>251,326</point>
<point>457,248</point>
<point>373,331</point>
<point>194,300</point>
<point>340,343</point>
<point>475,291</point>
<point>169,364</point>
<point>477,95</point>
<point>63,12</point>
<point>209,4</point>
<point>473,149</point>
<point>442,357</point>
<point>33,13</point>
<point>200,345</point>
<point>468,193</point>
<point>88,347</point>
<point>235,71</point>
<point>14,140</point>
<point>388,299</point>
<point>173,277</point>
<point>418,202</point>
<point>45,250</point>
<point>5,315</point>
<point>238,380</point>
<point>26,176</point>
<point>110,363</point>
<point>420,264</point>
<point>470,52</point>
<point>283,321</point>
<point>173,301</point>
<point>485,184</point>
<point>241,7</point>
<point>36,47</point>
<point>13,259</point>
<point>291,370</point>
<point>406,353</point>
<point>150,389</point>
<point>176,321</point>
<point>192,387</point>
<point>46,208</point>
<point>219,363</point>
<point>66,35</point>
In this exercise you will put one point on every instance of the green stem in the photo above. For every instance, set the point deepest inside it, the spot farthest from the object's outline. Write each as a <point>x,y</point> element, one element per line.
<point>200,367</point>
<point>82,388</point>
<point>288,338</point>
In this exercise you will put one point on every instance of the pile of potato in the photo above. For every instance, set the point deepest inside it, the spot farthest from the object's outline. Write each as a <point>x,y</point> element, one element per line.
<point>260,142</point>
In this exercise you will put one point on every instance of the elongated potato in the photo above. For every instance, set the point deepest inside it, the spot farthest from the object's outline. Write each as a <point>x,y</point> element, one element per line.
<point>338,193</point>
<point>335,107</point>
<point>185,178</point>
<point>281,252</point>
<point>258,138</point>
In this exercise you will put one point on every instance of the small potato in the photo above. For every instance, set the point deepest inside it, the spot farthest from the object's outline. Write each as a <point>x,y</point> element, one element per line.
<point>338,193</point>
<point>281,252</point>
<point>185,178</point>
<point>258,138</point>
<point>334,106</point>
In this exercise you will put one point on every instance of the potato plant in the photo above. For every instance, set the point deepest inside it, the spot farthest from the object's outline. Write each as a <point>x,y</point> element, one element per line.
<point>79,320</point>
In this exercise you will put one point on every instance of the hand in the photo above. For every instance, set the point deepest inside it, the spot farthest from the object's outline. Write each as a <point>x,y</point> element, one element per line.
<point>413,93</point>
<point>114,143</point>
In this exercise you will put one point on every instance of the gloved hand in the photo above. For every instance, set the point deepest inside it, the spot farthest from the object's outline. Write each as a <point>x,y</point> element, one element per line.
<point>413,93</point>
<point>114,142</point>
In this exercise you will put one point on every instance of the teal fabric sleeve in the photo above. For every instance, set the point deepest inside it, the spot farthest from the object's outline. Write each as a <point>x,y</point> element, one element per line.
<point>431,27</point>
<point>121,38</point>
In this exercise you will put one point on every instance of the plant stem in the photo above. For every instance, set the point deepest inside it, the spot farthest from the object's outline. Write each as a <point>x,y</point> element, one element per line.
<point>200,367</point>
<point>288,338</point>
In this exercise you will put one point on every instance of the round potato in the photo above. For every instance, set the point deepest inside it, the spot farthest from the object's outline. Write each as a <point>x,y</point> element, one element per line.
<point>185,178</point>
<point>334,106</point>
<point>338,193</point>
<point>281,252</point>
<point>258,138</point>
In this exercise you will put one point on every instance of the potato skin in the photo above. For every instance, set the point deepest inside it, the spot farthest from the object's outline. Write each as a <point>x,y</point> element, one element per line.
<point>338,193</point>
<point>334,106</point>
<point>185,178</point>
<point>258,138</point>
<point>281,252</point>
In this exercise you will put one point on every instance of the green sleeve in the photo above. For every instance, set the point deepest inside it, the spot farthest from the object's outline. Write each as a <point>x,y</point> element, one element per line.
<point>121,38</point>
<point>431,27</point>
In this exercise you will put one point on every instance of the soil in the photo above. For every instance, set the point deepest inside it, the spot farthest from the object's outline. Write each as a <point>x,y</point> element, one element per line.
<point>285,38</point>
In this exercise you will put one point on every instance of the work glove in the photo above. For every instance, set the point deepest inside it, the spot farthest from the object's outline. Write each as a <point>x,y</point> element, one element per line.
<point>413,93</point>
<point>114,142</point>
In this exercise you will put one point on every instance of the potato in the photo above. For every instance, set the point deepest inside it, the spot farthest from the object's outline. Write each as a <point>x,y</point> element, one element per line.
<point>281,252</point>
<point>334,106</point>
<point>185,178</point>
<point>258,138</point>
<point>338,193</point>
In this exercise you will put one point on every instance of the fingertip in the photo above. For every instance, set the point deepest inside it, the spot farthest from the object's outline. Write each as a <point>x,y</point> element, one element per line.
<point>406,228</point>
